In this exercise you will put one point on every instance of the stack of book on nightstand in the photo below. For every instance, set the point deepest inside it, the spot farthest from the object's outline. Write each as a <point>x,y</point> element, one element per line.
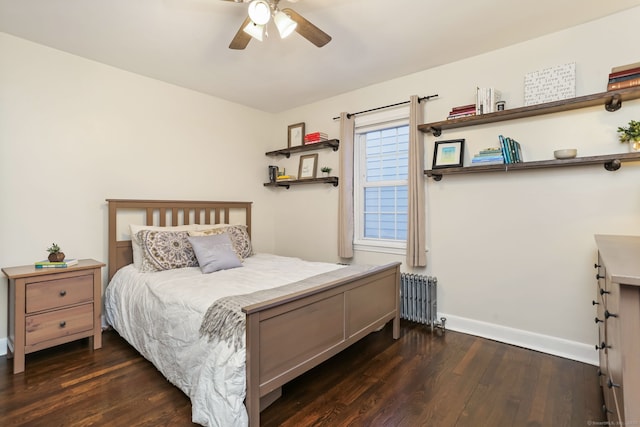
<point>56,264</point>
<point>624,76</point>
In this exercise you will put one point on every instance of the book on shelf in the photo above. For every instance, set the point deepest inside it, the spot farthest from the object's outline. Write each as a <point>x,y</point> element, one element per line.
<point>486,98</point>
<point>56,264</point>
<point>460,115</point>
<point>623,74</point>
<point>626,67</point>
<point>511,149</point>
<point>487,160</point>
<point>313,137</point>
<point>468,107</point>
<point>488,156</point>
<point>624,84</point>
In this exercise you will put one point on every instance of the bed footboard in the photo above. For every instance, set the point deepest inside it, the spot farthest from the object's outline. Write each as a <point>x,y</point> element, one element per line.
<point>288,336</point>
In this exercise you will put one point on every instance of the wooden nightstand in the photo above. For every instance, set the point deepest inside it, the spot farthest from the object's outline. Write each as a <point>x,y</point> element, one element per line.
<point>52,306</point>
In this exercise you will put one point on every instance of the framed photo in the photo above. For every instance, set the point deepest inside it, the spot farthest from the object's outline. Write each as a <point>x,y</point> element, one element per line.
<point>308,166</point>
<point>295,135</point>
<point>448,154</point>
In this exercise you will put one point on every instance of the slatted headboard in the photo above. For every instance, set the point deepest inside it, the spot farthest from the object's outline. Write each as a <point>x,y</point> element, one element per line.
<point>167,213</point>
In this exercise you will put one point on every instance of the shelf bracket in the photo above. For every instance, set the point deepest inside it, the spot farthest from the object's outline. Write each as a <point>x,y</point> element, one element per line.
<point>436,131</point>
<point>614,103</point>
<point>287,155</point>
<point>437,177</point>
<point>613,165</point>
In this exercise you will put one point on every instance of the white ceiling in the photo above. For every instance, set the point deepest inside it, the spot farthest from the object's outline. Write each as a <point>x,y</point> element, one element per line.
<point>185,42</point>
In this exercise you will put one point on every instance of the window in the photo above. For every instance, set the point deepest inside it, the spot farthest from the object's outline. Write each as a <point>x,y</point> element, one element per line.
<point>381,185</point>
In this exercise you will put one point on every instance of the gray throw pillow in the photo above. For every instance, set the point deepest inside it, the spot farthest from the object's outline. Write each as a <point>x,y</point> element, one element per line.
<point>214,252</point>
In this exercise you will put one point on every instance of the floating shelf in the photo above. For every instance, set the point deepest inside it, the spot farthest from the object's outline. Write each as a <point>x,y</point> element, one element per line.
<point>611,162</point>
<point>612,101</point>
<point>334,144</point>
<point>324,180</point>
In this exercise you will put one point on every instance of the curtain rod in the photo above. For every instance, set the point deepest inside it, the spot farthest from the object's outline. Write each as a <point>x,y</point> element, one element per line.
<point>387,106</point>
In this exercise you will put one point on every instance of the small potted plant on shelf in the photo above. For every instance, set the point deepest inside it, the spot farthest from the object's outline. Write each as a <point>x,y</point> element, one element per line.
<point>630,134</point>
<point>326,170</point>
<point>55,254</point>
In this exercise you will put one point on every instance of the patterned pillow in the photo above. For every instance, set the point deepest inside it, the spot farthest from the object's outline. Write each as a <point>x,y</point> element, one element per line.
<point>239,238</point>
<point>165,250</point>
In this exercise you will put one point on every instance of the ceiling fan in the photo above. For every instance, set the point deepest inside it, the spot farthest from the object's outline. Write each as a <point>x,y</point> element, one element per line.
<point>286,20</point>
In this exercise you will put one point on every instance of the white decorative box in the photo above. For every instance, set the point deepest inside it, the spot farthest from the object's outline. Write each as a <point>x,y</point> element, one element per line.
<point>550,84</point>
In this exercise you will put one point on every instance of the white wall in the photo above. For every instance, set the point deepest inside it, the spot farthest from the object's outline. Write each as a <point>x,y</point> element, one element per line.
<point>75,132</point>
<point>513,253</point>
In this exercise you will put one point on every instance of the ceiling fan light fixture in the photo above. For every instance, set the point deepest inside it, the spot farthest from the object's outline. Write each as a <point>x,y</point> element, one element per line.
<point>285,24</point>
<point>254,30</point>
<point>260,11</point>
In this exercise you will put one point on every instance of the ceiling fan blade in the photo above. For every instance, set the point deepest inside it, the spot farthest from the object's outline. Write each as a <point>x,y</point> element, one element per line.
<point>241,39</point>
<point>307,30</point>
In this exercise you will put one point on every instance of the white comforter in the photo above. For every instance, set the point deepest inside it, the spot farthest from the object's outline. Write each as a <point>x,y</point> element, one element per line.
<point>160,315</point>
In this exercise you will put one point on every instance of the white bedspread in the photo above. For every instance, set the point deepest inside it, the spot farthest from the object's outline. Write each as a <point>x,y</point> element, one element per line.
<point>160,315</point>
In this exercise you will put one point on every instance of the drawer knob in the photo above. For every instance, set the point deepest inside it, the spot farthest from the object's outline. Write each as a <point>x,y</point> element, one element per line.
<point>598,276</point>
<point>63,293</point>
<point>594,302</point>
<point>602,346</point>
<point>596,265</point>
<point>607,314</point>
<point>598,320</point>
<point>63,324</point>
<point>602,292</point>
<point>611,384</point>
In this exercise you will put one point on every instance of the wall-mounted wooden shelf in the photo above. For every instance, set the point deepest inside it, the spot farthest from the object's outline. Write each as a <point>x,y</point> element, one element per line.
<point>333,180</point>
<point>334,144</point>
<point>611,162</point>
<point>612,101</point>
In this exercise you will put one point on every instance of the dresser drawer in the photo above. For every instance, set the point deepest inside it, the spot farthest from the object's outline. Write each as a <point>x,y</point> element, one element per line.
<point>52,294</point>
<point>59,323</point>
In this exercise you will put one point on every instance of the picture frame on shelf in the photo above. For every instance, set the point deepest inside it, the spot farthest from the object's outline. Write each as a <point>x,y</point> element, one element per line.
<point>308,166</point>
<point>448,154</point>
<point>295,135</point>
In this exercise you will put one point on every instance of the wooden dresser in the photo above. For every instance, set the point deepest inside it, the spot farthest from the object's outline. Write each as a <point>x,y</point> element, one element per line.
<point>618,320</point>
<point>52,306</point>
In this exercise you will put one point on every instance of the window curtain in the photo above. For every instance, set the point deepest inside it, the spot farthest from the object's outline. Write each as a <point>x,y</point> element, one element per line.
<point>416,233</point>
<point>345,200</point>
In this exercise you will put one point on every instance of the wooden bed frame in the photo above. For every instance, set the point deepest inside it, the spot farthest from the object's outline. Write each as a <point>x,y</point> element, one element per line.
<point>286,336</point>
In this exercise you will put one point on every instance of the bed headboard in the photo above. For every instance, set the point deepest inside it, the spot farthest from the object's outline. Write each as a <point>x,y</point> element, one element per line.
<point>166,213</point>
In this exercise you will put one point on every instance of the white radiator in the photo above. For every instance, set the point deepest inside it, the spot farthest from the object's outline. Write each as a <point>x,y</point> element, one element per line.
<point>418,300</point>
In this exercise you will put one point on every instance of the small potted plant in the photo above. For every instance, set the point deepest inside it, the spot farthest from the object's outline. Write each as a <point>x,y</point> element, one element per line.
<point>630,134</point>
<point>326,170</point>
<point>55,255</point>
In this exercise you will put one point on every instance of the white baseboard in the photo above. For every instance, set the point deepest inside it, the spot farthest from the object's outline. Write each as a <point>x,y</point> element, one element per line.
<point>547,344</point>
<point>3,346</point>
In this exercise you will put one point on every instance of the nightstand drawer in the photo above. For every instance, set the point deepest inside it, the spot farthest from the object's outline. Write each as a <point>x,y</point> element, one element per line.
<point>59,323</point>
<point>59,293</point>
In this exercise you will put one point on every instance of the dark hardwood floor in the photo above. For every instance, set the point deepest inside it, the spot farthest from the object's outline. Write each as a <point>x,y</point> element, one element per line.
<point>422,379</point>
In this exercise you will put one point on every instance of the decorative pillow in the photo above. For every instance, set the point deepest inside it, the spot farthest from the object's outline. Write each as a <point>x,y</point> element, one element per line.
<point>215,252</point>
<point>135,243</point>
<point>165,250</point>
<point>238,234</point>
